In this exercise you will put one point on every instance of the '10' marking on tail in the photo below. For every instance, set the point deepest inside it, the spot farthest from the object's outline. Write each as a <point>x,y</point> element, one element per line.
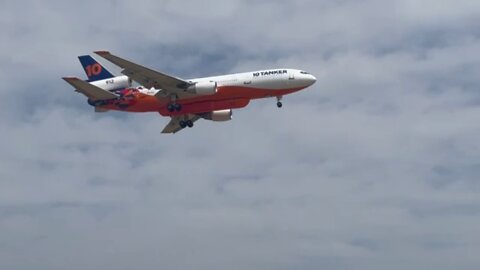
<point>93,70</point>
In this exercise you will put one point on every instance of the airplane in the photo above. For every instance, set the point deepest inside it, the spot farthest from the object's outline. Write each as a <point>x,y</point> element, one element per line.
<point>184,101</point>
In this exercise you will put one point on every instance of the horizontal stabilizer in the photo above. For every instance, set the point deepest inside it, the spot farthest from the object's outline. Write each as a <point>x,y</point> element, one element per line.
<point>91,91</point>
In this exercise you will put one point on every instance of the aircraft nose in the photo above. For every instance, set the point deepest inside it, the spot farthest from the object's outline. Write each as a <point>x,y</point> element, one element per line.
<point>309,79</point>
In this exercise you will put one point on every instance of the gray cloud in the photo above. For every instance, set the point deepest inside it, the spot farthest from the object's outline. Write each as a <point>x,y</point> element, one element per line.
<point>374,167</point>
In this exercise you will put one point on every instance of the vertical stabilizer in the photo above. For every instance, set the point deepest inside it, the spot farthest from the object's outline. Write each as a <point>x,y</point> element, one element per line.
<point>94,70</point>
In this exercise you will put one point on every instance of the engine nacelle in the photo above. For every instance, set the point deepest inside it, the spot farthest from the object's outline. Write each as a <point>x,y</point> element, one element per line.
<point>203,88</point>
<point>114,83</point>
<point>218,116</point>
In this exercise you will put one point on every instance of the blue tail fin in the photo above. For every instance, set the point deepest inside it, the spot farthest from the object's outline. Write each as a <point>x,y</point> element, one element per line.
<point>95,71</point>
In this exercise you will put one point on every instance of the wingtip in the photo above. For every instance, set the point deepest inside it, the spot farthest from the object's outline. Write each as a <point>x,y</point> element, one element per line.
<point>102,53</point>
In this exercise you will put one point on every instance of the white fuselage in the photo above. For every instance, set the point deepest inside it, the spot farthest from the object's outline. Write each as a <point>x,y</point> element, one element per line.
<point>270,79</point>
<point>264,79</point>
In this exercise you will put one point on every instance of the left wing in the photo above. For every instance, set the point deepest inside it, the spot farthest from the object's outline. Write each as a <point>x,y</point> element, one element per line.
<point>174,125</point>
<point>146,76</point>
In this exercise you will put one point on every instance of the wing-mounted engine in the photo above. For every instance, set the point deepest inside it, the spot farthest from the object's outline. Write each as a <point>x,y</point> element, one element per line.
<point>115,83</point>
<point>218,116</point>
<point>203,88</point>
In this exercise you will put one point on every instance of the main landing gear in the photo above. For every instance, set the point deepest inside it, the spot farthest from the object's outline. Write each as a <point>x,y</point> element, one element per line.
<point>174,106</point>
<point>279,102</point>
<point>188,123</point>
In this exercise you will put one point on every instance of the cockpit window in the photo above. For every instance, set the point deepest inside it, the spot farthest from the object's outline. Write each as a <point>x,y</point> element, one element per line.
<point>303,72</point>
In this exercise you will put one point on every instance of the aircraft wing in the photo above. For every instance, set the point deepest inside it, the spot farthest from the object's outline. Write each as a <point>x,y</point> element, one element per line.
<point>91,91</point>
<point>174,125</point>
<point>145,76</point>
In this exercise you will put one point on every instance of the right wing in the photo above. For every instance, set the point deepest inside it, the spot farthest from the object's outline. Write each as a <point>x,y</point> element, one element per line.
<point>174,125</point>
<point>91,91</point>
<point>145,76</point>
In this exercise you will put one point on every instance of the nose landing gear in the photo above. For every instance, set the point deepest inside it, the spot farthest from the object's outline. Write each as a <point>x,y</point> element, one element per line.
<point>279,102</point>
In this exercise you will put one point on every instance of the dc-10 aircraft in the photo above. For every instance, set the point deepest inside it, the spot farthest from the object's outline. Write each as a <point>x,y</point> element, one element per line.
<point>185,101</point>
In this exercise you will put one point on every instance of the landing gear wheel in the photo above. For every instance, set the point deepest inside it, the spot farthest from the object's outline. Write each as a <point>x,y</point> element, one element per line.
<point>171,107</point>
<point>183,124</point>
<point>189,123</point>
<point>279,101</point>
<point>177,107</point>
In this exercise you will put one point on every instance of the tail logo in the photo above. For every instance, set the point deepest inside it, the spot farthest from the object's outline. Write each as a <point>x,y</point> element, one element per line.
<point>93,70</point>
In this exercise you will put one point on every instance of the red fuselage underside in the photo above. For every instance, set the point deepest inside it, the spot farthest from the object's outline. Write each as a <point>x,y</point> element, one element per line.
<point>227,97</point>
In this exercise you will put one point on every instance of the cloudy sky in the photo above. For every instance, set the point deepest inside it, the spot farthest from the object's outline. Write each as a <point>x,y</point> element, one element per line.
<point>377,166</point>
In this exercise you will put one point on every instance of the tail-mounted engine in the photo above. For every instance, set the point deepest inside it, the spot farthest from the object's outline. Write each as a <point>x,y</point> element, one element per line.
<point>218,116</point>
<point>115,83</point>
